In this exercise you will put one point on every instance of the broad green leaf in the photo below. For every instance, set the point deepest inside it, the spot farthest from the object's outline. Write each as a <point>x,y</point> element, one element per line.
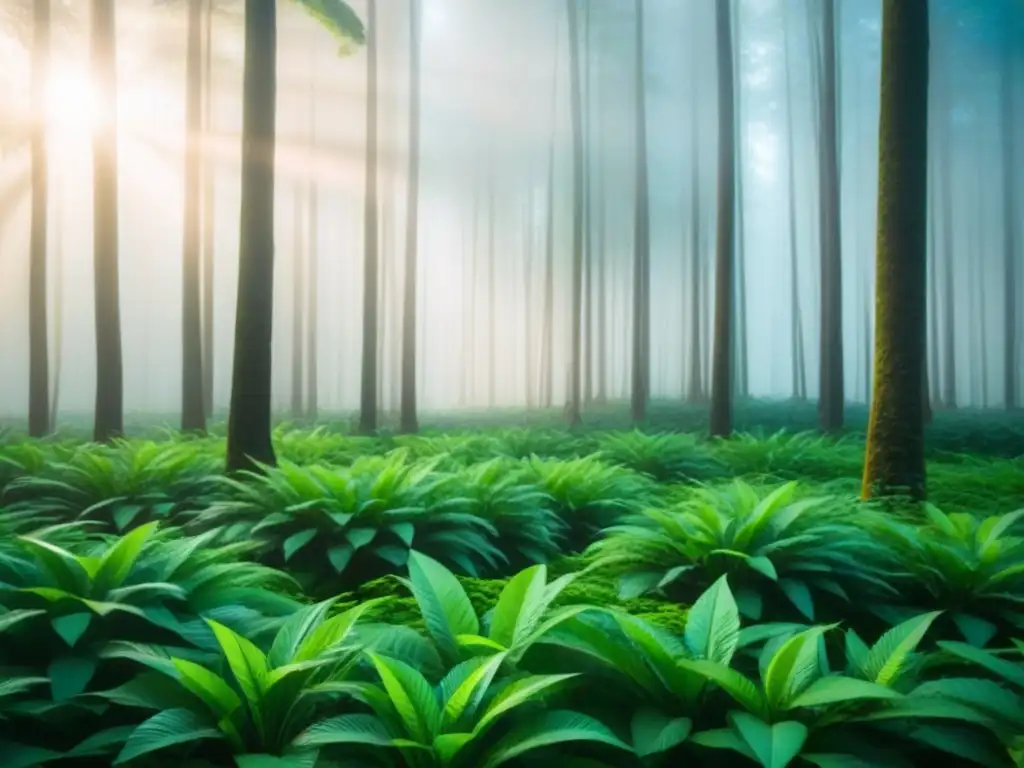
<point>24,755</point>
<point>211,688</point>
<point>119,560</point>
<point>514,604</point>
<point>738,686</point>
<point>11,618</point>
<point>69,675</point>
<point>345,729</point>
<point>448,745</point>
<point>1007,670</point>
<point>792,667</point>
<point>306,759</point>
<point>446,609</point>
<point>713,625</point>
<point>412,697</point>
<point>467,696</point>
<point>549,729</point>
<point>65,569</point>
<point>775,746</point>
<point>340,556</point>
<point>975,630</point>
<point>655,732</point>
<point>102,743</point>
<point>837,689</point>
<point>297,541</point>
<point>327,635</point>
<point>72,627</point>
<point>295,630</point>
<point>519,692</point>
<point>887,657</point>
<point>166,729</point>
<point>247,662</point>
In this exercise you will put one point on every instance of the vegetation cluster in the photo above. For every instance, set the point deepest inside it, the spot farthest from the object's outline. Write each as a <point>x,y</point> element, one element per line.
<point>507,597</point>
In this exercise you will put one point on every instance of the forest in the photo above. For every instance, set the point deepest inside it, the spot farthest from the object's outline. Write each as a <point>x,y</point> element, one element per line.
<point>477,383</point>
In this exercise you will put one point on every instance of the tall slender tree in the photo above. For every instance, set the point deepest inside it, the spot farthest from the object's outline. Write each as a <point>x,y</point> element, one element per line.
<point>578,203</point>
<point>249,418</point>
<point>408,420</point>
<point>298,304</point>
<point>641,363</point>
<point>209,216</point>
<point>894,459</point>
<point>39,422</point>
<point>721,363</point>
<point>313,260</point>
<point>109,411</point>
<point>831,391</point>
<point>193,410</point>
<point>1011,231</point>
<point>371,258</point>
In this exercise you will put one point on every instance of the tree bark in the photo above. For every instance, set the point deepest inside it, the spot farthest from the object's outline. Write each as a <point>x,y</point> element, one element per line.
<point>641,367</point>
<point>209,219</point>
<point>193,410</point>
<point>721,374</point>
<point>832,394</point>
<point>894,460</point>
<point>249,420</point>
<point>578,203</point>
<point>298,306</point>
<point>109,411</point>
<point>1011,222</point>
<point>408,420</point>
<point>39,422</point>
<point>371,270</point>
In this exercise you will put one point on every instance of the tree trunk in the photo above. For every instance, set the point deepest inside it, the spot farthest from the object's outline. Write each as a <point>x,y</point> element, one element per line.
<point>831,395</point>
<point>209,220</point>
<point>948,214</point>
<point>548,341</point>
<point>39,422</point>
<point>371,270</point>
<point>298,308</point>
<point>408,422</point>
<point>1011,221</point>
<point>796,330</point>
<point>695,388</point>
<point>641,367</point>
<point>109,412</point>
<point>193,410</point>
<point>249,435</point>
<point>58,310</point>
<point>721,373</point>
<point>313,305</point>
<point>578,203</point>
<point>492,266</point>
<point>894,460</point>
<point>528,256</point>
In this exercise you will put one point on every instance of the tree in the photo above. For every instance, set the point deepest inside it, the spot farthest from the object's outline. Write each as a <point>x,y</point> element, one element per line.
<point>894,460</point>
<point>193,410</point>
<point>109,411</point>
<point>831,394</point>
<point>249,439</point>
<point>209,217</point>
<point>641,368</point>
<point>39,422</point>
<point>371,236</point>
<point>578,202</point>
<point>1011,352</point>
<point>408,421</point>
<point>721,363</point>
<point>298,305</point>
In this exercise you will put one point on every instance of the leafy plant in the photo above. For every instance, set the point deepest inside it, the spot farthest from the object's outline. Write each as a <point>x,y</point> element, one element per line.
<point>972,568</point>
<point>260,708</point>
<point>358,522</point>
<point>665,457</point>
<point>772,545</point>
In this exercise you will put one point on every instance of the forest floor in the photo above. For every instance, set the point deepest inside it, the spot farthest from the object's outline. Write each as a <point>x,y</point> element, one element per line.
<point>608,596</point>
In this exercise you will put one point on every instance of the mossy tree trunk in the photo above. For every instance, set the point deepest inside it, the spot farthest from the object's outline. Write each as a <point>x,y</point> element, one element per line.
<point>894,460</point>
<point>249,436</point>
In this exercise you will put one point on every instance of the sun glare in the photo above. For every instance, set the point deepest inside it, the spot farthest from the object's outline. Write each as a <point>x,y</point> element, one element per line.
<point>71,103</point>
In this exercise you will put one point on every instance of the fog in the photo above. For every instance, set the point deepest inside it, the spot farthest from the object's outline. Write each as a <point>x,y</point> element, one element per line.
<point>495,101</point>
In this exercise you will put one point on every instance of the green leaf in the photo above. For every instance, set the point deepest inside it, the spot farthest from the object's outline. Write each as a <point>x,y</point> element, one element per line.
<point>300,760</point>
<point>340,556</point>
<point>1007,670</point>
<point>551,728</point>
<point>247,662</point>
<point>295,630</point>
<point>412,697</point>
<point>738,686</point>
<point>976,631</point>
<point>518,692</point>
<point>65,569</point>
<point>100,744</point>
<point>468,694</point>
<point>654,732</point>
<point>516,605</point>
<point>792,667</point>
<point>69,675</point>
<point>345,729</point>
<point>166,729</point>
<point>638,583</point>
<point>72,627</point>
<point>297,541</point>
<point>836,689</point>
<point>329,634</point>
<point>338,19</point>
<point>775,746</point>
<point>25,756</point>
<point>799,595</point>
<point>118,561</point>
<point>11,618</point>
<point>446,609</point>
<point>212,689</point>
<point>713,625</point>
<point>887,657</point>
